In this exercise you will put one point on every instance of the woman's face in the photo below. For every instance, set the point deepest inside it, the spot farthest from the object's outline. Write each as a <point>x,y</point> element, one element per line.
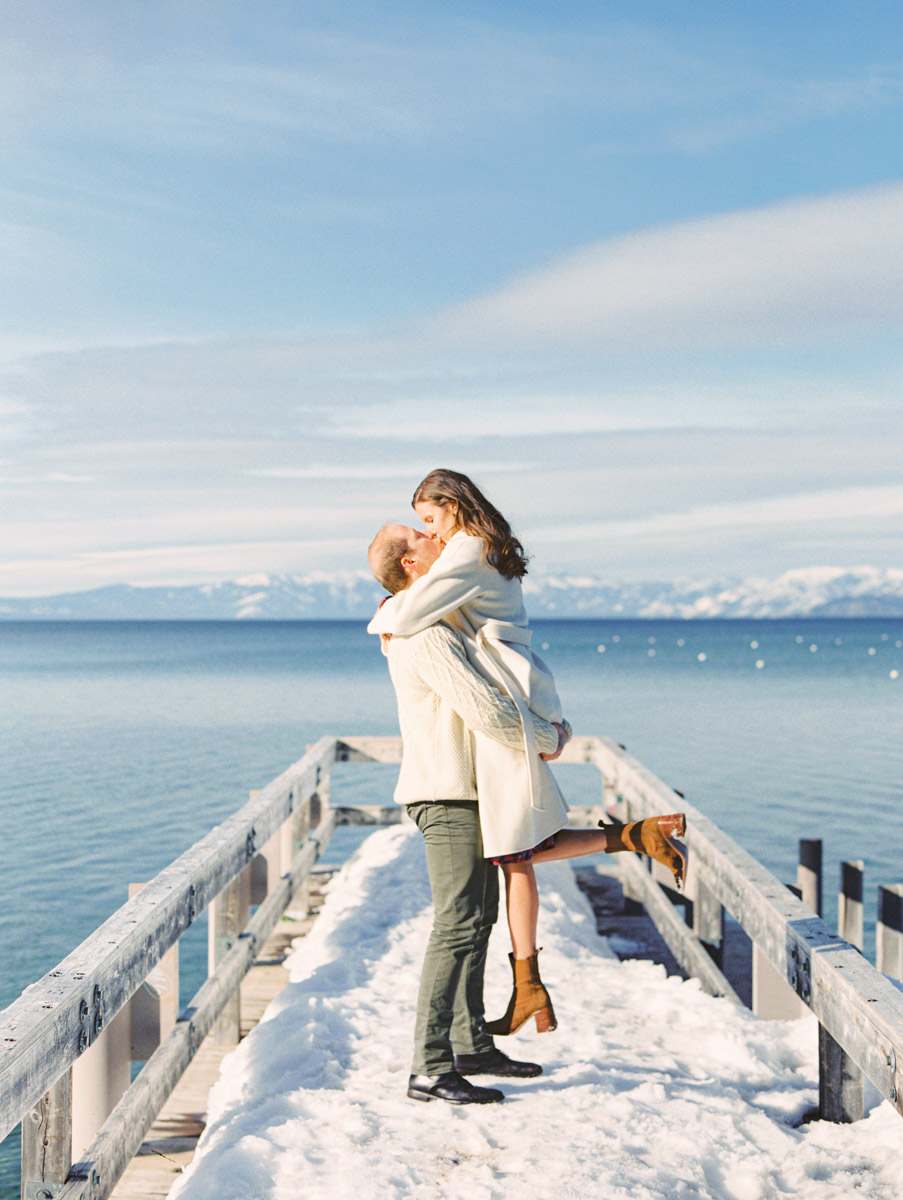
<point>440,521</point>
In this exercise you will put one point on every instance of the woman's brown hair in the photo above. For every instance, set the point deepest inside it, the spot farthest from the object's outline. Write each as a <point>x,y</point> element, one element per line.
<point>476,516</point>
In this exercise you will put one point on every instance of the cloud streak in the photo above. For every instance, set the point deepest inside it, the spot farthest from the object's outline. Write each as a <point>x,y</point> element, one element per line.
<point>803,273</point>
<point>818,507</point>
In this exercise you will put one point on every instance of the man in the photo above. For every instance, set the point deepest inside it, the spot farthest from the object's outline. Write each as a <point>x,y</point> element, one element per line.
<point>441,699</point>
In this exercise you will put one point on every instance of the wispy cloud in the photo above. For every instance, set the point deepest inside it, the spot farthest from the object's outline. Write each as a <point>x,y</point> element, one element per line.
<point>316,80</point>
<point>171,565</point>
<point>51,477</point>
<point>365,471</point>
<point>763,105</point>
<point>389,81</point>
<point>819,507</point>
<point>803,273</point>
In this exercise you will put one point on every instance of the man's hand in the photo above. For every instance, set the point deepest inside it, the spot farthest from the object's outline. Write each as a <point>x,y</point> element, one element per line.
<point>385,638</point>
<point>564,736</point>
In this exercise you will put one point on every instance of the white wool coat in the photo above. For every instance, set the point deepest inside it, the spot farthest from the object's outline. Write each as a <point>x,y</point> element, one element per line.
<point>442,701</point>
<point>520,802</point>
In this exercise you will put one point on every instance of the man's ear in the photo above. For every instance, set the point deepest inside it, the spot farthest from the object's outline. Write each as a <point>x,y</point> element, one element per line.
<point>407,563</point>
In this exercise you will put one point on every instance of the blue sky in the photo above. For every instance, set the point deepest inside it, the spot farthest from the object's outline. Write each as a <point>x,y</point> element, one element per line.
<point>637,267</point>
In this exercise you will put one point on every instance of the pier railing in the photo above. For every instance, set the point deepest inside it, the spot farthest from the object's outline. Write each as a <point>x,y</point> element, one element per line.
<point>67,1042</point>
<point>799,963</point>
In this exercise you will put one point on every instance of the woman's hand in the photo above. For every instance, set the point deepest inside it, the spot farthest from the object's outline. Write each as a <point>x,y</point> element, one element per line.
<point>564,736</point>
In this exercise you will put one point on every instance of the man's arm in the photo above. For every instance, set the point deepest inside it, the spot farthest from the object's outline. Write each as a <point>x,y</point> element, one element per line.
<point>439,659</point>
<point>453,579</point>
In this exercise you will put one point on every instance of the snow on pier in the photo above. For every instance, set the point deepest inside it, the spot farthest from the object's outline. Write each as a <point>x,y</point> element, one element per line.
<point>651,1089</point>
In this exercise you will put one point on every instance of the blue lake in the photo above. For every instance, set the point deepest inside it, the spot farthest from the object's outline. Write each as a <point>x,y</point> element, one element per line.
<point>122,743</point>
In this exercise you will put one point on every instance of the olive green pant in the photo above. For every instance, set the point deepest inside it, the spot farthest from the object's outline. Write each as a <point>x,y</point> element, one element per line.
<point>465,890</point>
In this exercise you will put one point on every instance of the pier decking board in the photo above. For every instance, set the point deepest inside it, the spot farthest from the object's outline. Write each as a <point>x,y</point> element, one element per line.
<point>171,1141</point>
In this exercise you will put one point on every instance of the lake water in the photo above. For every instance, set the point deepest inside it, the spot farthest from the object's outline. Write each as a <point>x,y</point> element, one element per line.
<point>122,743</point>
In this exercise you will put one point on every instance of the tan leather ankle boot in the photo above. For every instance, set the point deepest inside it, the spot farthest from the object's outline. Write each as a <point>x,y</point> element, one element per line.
<point>656,837</point>
<point>529,998</point>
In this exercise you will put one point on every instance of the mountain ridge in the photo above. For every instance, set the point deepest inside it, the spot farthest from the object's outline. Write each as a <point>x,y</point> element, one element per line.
<point>353,595</point>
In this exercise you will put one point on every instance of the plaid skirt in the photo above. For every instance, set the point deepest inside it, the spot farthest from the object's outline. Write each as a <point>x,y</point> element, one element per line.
<point>524,855</point>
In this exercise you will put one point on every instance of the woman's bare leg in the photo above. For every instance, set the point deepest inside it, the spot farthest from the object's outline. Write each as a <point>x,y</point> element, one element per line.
<point>522,901</point>
<point>522,894</point>
<point>645,837</point>
<point>573,843</point>
<point>529,997</point>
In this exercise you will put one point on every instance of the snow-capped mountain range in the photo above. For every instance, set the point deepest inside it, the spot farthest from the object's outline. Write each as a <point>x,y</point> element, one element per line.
<point>353,595</point>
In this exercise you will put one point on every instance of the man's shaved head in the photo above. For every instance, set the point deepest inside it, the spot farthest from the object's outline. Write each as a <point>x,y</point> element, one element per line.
<point>399,554</point>
<point>385,554</point>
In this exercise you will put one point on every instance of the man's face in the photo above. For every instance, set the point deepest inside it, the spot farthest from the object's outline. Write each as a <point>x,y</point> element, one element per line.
<point>423,550</point>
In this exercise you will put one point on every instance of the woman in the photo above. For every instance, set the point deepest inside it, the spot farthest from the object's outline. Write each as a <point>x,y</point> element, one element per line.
<point>475,586</point>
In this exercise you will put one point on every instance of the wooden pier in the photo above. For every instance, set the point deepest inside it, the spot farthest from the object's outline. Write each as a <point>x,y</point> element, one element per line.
<point>67,1044</point>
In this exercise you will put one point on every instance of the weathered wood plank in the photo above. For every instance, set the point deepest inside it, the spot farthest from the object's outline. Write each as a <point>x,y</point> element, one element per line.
<point>772,996</point>
<point>841,1094</point>
<point>47,1137</point>
<point>226,924</point>
<point>55,1020</point>
<point>889,932</point>
<point>841,1084</point>
<point>154,1007</point>
<point>368,749</point>
<point>100,1077</point>
<point>850,910</point>
<point>365,814</point>
<point>809,874</point>
<point>708,922</point>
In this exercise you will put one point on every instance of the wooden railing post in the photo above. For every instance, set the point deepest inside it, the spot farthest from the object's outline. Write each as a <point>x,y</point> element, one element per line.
<point>841,1084</point>
<point>772,995</point>
<point>100,1078</point>
<point>889,931</point>
<point>225,924</point>
<point>319,801</point>
<point>850,914</point>
<point>155,1006</point>
<point>47,1141</point>
<point>611,801</point>
<point>708,921</point>
<point>266,867</point>
<point>298,835</point>
<point>307,820</point>
<point>808,873</point>
<point>840,1090</point>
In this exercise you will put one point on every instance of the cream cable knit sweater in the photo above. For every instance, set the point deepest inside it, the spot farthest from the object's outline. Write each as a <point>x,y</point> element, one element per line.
<point>441,699</point>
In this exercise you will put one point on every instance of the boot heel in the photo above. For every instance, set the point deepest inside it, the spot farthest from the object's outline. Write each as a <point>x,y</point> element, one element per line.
<point>654,836</point>
<point>545,1020</point>
<point>528,999</point>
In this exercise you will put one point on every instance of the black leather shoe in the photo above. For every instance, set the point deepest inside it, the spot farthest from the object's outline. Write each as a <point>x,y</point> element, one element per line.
<point>452,1088</point>
<point>495,1062</point>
